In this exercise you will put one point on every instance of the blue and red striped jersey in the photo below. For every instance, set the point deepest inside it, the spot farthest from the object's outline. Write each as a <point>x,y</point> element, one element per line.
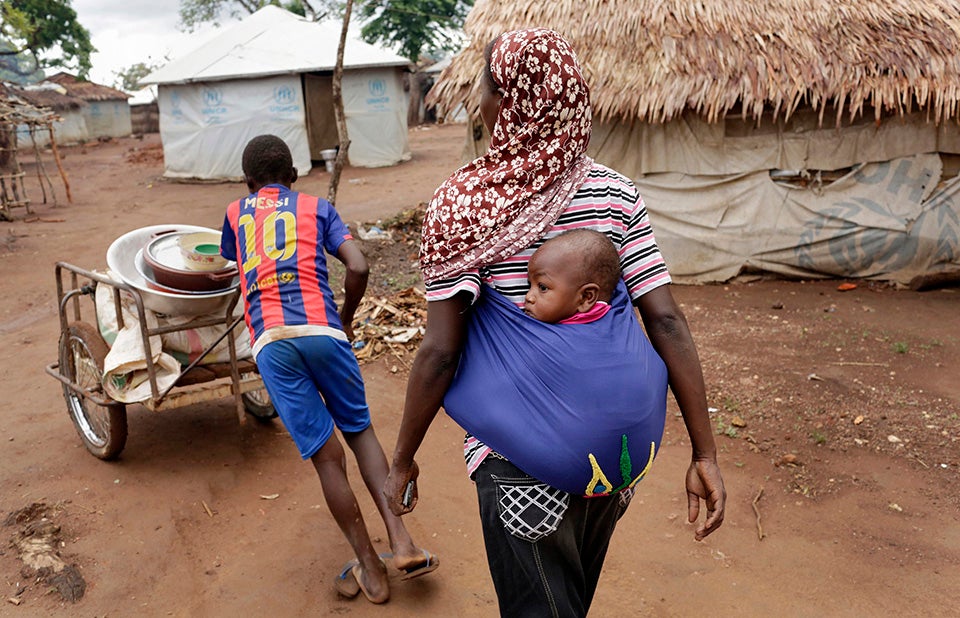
<point>277,237</point>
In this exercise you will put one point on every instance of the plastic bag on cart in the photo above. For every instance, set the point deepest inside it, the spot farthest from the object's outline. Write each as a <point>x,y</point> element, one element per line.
<point>126,377</point>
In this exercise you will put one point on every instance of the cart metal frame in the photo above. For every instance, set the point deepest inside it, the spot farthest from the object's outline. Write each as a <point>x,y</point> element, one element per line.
<point>195,384</point>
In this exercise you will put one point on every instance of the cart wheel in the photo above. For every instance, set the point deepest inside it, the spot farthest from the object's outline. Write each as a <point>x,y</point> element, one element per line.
<point>257,404</point>
<point>103,429</point>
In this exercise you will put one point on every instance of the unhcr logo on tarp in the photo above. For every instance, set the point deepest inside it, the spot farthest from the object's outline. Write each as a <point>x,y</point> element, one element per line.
<point>378,92</point>
<point>175,109</point>
<point>213,106</point>
<point>284,100</point>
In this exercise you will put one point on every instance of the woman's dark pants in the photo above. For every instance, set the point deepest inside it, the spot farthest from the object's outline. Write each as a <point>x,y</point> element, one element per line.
<point>545,547</point>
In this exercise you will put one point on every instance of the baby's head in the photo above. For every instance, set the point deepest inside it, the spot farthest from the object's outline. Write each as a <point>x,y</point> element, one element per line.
<point>266,161</point>
<point>569,273</point>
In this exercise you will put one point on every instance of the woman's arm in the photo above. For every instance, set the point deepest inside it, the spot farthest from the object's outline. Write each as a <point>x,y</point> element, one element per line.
<point>667,329</point>
<point>431,374</point>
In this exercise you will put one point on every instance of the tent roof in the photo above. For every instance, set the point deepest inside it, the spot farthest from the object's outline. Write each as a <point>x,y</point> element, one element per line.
<point>272,41</point>
<point>655,59</point>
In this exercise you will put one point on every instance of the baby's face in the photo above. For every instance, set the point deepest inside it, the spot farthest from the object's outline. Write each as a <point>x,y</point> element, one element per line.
<point>553,294</point>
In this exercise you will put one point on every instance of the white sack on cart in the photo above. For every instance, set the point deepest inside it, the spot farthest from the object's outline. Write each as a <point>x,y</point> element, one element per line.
<point>185,345</point>
<point>126,378</point>
<point>125,370</point>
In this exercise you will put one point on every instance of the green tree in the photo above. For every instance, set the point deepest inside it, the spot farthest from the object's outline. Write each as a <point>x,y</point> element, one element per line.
<point>414,26</point>
<point>128,79</point>
<point>39,34</point>
<point>194,13</point>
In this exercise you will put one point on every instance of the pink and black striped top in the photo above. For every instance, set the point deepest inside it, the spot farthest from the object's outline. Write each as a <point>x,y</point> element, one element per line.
<point>607,202</point>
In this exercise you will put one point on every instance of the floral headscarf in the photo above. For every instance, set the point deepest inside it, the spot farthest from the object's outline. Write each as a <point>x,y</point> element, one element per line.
<point>505,200</point>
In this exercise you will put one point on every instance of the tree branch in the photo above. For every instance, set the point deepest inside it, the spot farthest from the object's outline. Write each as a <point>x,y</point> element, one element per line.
<point>338,109</point>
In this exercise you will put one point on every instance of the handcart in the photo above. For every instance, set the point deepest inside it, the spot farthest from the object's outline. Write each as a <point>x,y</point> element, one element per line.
<point>102,421</point>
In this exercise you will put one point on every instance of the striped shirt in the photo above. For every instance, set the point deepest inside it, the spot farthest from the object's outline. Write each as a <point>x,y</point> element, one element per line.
<point>607,202</point>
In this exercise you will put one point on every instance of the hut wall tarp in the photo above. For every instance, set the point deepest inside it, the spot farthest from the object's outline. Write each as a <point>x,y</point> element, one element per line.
<point>717,211</point>
<point>70,128</point>
<point>892,220</point>
<point>205,126</point>
<point>376,109</point>
<point>691,145</point>
<point>109,118</point>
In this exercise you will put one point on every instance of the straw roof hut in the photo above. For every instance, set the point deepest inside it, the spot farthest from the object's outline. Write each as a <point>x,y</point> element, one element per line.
<point>50,98</point>
<point>106,113</point>
<point>857,103</point>
<point>33,115</point>
<point>655,59</point>
<point>68,118</point>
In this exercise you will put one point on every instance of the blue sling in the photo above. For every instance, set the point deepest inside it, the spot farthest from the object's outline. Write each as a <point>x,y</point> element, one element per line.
<point>581,407</point>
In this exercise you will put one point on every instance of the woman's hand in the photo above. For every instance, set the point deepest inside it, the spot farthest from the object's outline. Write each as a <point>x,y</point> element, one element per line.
<point>395,488</point>
<point>705,483</point>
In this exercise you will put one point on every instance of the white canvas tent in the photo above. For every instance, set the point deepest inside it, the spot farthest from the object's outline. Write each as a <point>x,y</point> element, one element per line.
<point>272,73</point>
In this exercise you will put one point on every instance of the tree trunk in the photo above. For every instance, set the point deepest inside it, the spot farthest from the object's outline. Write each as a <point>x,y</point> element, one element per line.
<point>338,109</point>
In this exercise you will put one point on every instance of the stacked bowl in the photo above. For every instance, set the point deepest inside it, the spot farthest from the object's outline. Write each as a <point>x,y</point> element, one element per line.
<point>177,269</point>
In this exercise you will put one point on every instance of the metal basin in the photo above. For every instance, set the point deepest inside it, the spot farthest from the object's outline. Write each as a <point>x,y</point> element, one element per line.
<point>121,256</point>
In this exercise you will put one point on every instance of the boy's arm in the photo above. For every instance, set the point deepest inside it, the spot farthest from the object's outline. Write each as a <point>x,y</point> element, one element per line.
<point>668,332</point>
<point>354,282</point>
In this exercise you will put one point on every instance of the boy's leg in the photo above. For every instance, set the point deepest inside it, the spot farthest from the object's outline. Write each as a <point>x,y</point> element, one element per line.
<point>331,467</point>
<point>294,392</point>
<point>337,375</point>
<point>373,468</point>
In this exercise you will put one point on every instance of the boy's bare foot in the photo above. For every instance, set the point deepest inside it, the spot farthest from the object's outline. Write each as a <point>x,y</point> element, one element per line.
<point>373,583</point>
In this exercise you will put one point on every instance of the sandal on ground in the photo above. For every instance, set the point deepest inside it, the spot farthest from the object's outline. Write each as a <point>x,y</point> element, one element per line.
<point>346,583</point>
<point>429,564</point>
<point>357,572</point>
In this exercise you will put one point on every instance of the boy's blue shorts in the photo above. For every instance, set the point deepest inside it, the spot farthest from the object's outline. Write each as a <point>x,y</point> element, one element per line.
<point>297,371</point>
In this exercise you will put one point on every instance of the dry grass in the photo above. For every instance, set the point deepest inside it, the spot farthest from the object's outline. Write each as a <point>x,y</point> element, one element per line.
<point>654,59</point>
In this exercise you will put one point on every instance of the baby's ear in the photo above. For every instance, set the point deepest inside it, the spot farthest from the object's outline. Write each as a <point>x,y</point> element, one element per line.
<point>588,295</point>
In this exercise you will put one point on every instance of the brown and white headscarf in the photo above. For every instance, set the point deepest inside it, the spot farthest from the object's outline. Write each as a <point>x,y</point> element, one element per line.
<point>505,200</point>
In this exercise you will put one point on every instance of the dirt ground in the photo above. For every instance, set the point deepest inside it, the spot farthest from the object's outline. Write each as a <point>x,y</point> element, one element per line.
<point>836,414</point>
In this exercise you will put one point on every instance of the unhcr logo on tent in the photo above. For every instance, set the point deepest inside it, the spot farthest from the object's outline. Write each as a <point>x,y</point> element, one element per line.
<point>213,102</point>
<point>284,100</point>
<point>378,91</point>
<point>175,110</point>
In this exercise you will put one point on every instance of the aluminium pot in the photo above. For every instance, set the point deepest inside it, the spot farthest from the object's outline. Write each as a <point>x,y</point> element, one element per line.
<point>163,255</point>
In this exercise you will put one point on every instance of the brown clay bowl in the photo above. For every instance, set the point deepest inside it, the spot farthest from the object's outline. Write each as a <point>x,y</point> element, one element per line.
<point>162,254</point>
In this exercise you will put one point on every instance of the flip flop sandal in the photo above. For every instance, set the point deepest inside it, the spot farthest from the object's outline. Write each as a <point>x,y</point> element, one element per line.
<point>430,564</point>
<point>346,583</point>
<point>357,572</point>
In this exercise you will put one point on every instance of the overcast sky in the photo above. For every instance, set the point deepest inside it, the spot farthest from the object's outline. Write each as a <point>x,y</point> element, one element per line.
<point>129,31</point>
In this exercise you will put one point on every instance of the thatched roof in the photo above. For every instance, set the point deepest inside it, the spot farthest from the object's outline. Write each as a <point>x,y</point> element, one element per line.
<point>88,91</point>
<point>16,109</point>
<point>655,59</point>
<point>47,97</point>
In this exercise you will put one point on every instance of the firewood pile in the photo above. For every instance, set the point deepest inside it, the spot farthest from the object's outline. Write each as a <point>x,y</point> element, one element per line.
<point>391,325</point>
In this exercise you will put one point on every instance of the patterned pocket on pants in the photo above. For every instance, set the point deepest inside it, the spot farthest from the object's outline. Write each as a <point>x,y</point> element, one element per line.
<point>529,510</point>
